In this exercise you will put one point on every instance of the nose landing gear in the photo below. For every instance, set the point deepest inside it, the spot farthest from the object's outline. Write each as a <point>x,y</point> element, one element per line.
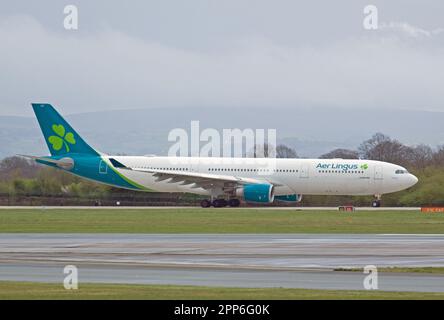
<point>377,202</point>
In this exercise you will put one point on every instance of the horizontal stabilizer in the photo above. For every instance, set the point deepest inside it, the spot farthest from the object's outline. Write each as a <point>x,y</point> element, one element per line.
<point>64,163</point>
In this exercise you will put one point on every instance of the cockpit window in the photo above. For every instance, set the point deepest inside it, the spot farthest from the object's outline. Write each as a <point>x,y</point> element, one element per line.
<point>401,171</point>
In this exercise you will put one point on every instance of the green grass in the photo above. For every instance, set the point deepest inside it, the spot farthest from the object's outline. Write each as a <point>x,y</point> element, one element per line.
<point>33,290</point>
<point>428,270</point>
<point>197,220</point>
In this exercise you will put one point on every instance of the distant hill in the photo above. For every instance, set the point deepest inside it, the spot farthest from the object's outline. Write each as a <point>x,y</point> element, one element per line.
<point>311,132</point>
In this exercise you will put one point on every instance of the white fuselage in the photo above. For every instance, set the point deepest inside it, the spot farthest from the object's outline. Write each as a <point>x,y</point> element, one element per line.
<point>289,176</point>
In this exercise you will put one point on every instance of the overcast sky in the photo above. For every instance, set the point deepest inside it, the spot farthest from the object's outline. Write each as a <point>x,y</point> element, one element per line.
<point>236,53</point>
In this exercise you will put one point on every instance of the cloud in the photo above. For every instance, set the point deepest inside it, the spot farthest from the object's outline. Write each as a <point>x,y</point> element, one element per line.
<point>410,30</point>
<point>109,69</point>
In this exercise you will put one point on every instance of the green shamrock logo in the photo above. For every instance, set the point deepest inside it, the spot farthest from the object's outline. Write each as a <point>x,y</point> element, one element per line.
<point>364,166</point>
<point>60,139</point>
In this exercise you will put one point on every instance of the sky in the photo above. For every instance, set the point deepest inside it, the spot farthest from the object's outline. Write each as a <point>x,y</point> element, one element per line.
<point>216,54</point>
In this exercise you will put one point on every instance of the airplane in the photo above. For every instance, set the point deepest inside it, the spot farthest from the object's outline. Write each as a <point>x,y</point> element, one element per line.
<point>224,181</point>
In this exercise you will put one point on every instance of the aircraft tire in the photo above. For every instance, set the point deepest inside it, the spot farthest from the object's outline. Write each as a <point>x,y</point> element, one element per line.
<point>234,202</point>
<point>376,203</point>
<point>219,203</point>
<point>205,203</point>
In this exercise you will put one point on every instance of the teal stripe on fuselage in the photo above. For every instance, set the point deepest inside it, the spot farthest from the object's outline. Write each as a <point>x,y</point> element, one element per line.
<point>97,169</point>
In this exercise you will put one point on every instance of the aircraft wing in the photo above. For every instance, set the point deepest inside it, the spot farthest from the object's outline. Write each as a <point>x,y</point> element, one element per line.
<point>201,180</point>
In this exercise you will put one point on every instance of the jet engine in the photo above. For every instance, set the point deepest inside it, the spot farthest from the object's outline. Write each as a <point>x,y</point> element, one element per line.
<point>263,193</point>
<point>289,198</point>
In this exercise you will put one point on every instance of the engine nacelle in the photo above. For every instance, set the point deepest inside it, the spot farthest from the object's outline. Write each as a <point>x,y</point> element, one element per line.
<point>263,193</point>
<point>289,198</point>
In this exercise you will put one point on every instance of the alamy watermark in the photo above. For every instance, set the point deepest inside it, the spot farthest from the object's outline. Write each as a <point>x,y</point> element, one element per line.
<point>371,280</point>
<point>232,146</point>
<point>71,280</point>
<point>71,20</point>
<point>370,21</point>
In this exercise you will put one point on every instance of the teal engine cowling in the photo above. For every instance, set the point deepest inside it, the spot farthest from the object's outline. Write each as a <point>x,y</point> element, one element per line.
<point>263,193</point>
<point>289,198</point>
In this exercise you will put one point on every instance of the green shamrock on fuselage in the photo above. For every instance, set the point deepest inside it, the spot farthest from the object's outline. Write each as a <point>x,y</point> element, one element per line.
<point>61,139</point>
<point>364,166</point>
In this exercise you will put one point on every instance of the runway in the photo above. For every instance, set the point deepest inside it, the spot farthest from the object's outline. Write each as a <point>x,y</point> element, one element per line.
<point>198,207</point>
<point>289,261</point>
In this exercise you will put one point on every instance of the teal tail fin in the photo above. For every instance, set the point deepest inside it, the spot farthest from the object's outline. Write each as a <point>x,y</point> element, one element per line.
<point>60,137</point>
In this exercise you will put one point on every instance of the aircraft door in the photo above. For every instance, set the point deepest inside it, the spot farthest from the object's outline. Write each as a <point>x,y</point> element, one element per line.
<point>304,173</point>
<point>378,175</point>
<point>103,167</point>
<point>194,167</point>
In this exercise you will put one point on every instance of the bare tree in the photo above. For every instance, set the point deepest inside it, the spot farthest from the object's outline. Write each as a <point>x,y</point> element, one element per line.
<point>383,148</point>
<point>369,149</point>
<point>17,166</point>
<point>420,156</point>
<point>283,151</point>
<point>341,153</point>
<point>262,151</point>
<point>438,156</point>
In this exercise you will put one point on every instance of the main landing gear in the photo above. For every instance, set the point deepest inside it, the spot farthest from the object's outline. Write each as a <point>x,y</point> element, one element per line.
<point>220,203</point>
<point>205,203</point>
<point>377,202</point>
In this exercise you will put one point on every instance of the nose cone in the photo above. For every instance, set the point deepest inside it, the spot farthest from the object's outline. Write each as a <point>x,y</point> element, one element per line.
<point>412,180</point>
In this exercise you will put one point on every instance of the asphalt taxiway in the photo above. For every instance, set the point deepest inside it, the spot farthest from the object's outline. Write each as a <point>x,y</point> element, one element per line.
<point>233,260</point>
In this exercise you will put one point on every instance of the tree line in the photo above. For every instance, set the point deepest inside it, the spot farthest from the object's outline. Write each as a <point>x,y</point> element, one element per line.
<point>379,147</point>
<point>20,176</point>
<point>382,147</point>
